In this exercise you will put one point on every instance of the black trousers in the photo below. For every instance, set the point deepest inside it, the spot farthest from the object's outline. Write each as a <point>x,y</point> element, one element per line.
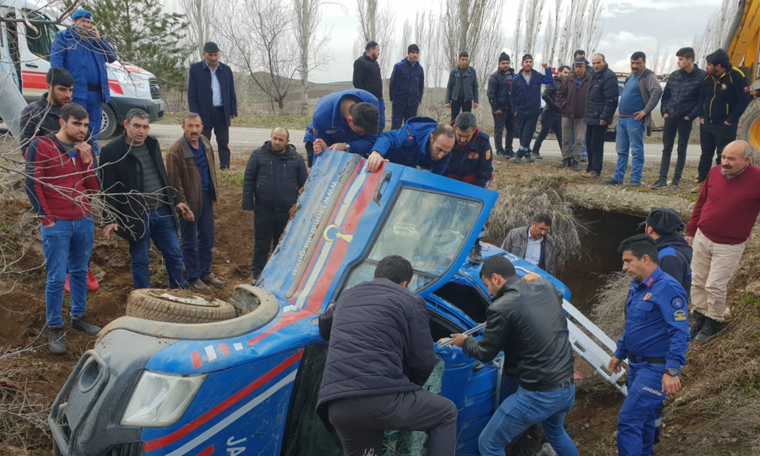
<point>550,121</point>
<point>714,138</point>
<point>309,153</point>
<point>401,113</point>
<point>505,120</point>
<point>595,135</point>
<point>683,128</point>
<point>362,421</point>
<point>222,132</point>
<point>460,105</point>
<point>267,229</point>
<point>525,126</point>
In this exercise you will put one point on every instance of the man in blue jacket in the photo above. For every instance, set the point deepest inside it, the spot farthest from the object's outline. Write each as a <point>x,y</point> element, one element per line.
<point>347,120</point>
<point>526,104</point>
<point>406,87</point>
<point>655,340</point>
<point>379,356</point>
<point>83,53</point>
<point>211,93</point>
<point>422,142</point>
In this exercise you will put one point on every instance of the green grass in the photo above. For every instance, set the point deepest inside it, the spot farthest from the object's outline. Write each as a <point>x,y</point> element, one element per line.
<point>267,121</point>
<point>231,178</point>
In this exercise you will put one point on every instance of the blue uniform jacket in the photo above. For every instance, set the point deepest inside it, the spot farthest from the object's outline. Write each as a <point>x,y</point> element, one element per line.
<point>329,126</point>
<point>472,163</point>
<point>675,259</point>
<point>68,51</point>
<point>407,83</point>
<point>409,145</point>
<point>199,94</point>
<point>526,98</point>
<point>657,323</point>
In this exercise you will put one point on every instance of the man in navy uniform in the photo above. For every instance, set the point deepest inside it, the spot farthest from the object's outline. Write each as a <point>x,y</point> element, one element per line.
<point>347,120</point>
<point>655,340</point>
<point>406,87</point>
<point>471,159</point>
<point>422,142</point>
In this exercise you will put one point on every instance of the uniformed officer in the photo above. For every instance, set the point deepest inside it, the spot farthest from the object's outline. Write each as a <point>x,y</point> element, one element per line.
<point>655,341</point>
<point>471,159</point>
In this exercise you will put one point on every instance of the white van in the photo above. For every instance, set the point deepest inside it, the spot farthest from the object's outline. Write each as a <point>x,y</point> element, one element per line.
<point>28,51</point>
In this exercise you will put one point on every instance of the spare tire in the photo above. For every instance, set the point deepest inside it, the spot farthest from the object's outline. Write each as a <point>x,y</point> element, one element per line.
<point>177,307</point>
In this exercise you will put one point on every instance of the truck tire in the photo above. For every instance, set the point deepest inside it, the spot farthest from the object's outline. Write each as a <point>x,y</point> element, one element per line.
<point>109,123</point>
<point>749,125</point>
<point>171,307</point>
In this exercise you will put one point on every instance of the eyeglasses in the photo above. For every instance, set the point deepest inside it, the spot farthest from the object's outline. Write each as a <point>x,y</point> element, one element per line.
<point>140,127</point>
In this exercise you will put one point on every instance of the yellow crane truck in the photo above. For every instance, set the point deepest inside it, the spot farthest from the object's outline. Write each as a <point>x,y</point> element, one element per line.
<point>743,47</point>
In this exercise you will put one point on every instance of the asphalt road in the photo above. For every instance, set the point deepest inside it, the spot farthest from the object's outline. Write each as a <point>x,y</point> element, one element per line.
<point>245,140</point>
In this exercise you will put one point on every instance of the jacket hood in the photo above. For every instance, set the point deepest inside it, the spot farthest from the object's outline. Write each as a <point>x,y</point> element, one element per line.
<point>421,128</point>
<point>672,240</point>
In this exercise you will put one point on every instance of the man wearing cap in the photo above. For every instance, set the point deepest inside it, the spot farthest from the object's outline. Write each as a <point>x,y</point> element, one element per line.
<point>406,87</point>
<point>571,99</point>
<point>211,93</point>
<point>526,104</point>
<point>499,89</point>
<point>83,53</point>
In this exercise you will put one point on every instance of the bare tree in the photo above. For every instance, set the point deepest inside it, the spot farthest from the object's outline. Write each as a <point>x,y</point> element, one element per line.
<point>200,18</point>
<point>550,38</point>
<point>592,30</point>
<point>534,19</point>
<point>464,26</point>
<point>311,46</point>
<point>406,38</point>
<point>517,36</point>
<point>377,23</point>
<point>716,33</point>
<point>556,30</point>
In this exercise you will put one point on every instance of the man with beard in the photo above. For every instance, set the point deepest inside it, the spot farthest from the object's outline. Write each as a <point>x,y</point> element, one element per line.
<point>406,87</point>
<point>601,103</point>
<point>499,89</point>
<point>190,169</point>
<point>367,77</point>
<point>526,104</point>
<point>270,195</point>
<point>551,116</point>
<point>471,159</point>
<point>422,142</point>
<point>42,117</point>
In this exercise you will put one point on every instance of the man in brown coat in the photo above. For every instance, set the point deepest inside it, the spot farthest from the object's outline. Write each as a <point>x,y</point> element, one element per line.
<point>571,98</point>
<point>191,171</point>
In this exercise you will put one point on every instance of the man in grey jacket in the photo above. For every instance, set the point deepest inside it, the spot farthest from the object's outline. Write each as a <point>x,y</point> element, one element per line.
<point>533,243</point>
<point>641,93</point>
<point>462,89</point>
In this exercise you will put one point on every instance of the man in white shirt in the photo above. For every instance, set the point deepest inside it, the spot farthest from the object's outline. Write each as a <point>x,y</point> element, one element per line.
<point>533,243</point>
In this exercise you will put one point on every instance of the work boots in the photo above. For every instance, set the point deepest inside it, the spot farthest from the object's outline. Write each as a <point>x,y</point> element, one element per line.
<point>710,329</point>
<point>56,345</point>
<point>696,321</point>
<point>576,165</point>
<point>564,163</point>
<point>88,328</point>
<point>659,184</point>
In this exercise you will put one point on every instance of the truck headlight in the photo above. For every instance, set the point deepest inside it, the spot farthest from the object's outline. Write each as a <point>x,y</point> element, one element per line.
<point>126,78</point>
<point>160,399</point>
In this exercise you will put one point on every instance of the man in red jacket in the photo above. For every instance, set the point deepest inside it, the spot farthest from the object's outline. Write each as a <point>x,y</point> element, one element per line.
<point>722,221</point>
<point>60,178</point>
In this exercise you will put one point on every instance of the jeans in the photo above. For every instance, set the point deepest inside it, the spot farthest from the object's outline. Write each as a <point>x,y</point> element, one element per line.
<point>571,126</point>
<point>460,104</point>
<point>525,124</point>
<point>401,113</point>
<point>683,128</point>
<point>221,127</point>
<point>161,228</point>
<point>630,137</point>
<point>67,246</point>
<point>197,241</point>
<point>636,420</point>
<point>713,138</point>
<point>550,121</point>
<point>523,409</point>
<point>267,229</point>
<point>505,120</point>
<point>595,141</point>
<point>381,119</point>
<point>309,146</point>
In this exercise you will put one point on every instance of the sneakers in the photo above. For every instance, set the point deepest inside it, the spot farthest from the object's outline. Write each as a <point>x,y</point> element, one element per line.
<point>515,159</point>
<point>537,156</point>
<point>674,184</point>
<point>632,184</point>
<point>92,282</point>
<point>576,165</point>
<point>696,321</point>
<point>56,345</point>
<point>199,286</point>
<point>530,157</point>
<point>255,278</point>
<point>212,281</point>
<point>611,181</point>
<point>475,257</point>
<point>710,329</point>
<point>88,328</point>
<point>659,184</point>
<point>697,188</point>
<point>564,163</point>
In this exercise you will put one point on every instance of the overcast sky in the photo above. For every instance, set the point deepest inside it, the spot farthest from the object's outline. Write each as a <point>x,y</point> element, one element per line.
<point>628,26</point>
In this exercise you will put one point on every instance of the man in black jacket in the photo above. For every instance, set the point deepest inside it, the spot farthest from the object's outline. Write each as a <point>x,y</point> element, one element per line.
<point>273,179</point>
<point>722,100</point>
<point>406,87</point>
<point>679,107</point>
<point>601,103</point>
<point>462,88</point>
<point>140,202</point>
<point>380,354</point>
<point>42,117</point>
<point>499,89</point>
<point>367,77</point>
<point>526,320</point>
<point>526,104</point>
<point>551,116</point>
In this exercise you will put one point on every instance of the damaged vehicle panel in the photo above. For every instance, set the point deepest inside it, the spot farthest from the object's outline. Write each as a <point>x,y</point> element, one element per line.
<point>249,385</point>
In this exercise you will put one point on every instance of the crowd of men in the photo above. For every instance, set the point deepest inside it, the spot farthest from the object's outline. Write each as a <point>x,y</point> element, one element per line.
<point>170,201</point>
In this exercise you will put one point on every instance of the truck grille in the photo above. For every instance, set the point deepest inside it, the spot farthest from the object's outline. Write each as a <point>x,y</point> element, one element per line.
<point>155,90</point>
<point>127,449</point>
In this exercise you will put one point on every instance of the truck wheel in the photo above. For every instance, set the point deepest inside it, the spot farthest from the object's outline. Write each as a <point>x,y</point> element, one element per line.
<point>109,123</point>
<point>749,125</point>
<point>176,307</point>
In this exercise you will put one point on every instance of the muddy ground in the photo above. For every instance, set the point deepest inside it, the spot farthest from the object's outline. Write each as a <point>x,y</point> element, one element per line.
<point>718,413</point>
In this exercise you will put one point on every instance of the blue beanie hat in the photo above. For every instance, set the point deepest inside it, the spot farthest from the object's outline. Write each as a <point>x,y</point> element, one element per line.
<point>81,13</point>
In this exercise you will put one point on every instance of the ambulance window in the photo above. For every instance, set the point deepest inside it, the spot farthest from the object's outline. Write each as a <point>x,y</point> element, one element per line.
<point>39,41</point>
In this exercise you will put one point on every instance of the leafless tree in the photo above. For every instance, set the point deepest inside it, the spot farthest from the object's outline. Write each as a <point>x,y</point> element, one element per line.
<point>377,23</point>
<point>534,20</point>
<point>200,18</point>
<point>550,38</point>
<point>517,45</point>
<point>261,36</point>
<point>592,28</point>
<point>311,45</point>
<point>716,33</point>
<point>406,38</point>
<point>464,26</point>
<point>556,29</point>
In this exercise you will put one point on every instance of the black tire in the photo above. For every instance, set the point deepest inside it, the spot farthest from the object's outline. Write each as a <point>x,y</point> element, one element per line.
<point>108,124</point>
<point>177,307</point>
<point>745,130</point>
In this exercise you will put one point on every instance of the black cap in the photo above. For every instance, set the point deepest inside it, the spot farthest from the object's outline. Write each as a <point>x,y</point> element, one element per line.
<point>580,60</point>
<point>664,221</point>
<point>412,48</point>
<point>526,57</point>
<point>504,56</point>
<point>210,47</point>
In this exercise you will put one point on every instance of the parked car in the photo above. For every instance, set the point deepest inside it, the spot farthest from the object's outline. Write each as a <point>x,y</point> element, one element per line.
<point>249,385</point>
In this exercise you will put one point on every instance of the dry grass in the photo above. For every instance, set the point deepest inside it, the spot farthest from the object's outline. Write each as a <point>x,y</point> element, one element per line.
<point>609,312</point>
<point>23,417</point>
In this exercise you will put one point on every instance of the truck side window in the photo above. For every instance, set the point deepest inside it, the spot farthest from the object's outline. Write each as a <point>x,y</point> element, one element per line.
<point>39,42</point>
<point>465,298</point>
